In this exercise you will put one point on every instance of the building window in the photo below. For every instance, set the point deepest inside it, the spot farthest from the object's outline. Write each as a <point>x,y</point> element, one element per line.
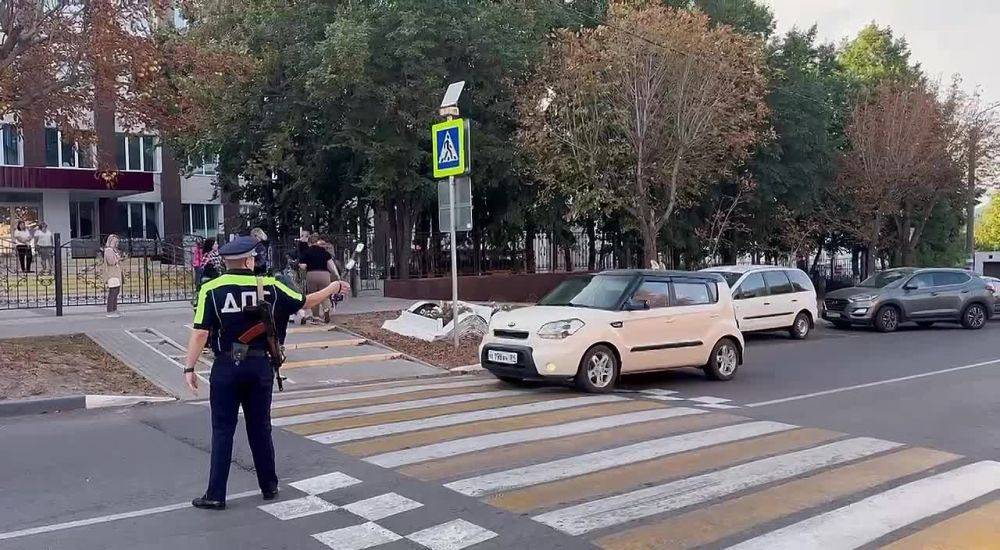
<point>137,153</point>
<point>82,220</point>
<point>10,151</point>
<point>205,167</point>
<point>201,219</point>
<point>63,154</point>
<point>139,220</point>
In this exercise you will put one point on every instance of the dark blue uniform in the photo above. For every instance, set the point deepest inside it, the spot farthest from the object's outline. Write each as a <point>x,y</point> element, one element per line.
<point>246,383</point>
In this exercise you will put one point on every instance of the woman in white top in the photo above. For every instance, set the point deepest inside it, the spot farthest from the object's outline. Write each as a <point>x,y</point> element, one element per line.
<point>112,271</point>
<point>22,243</point>
<point>45,246</point>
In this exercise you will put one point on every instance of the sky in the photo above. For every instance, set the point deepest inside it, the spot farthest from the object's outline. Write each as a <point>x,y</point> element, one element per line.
<point>946,37</point>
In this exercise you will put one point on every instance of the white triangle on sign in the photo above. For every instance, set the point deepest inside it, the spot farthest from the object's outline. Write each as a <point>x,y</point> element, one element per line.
<point>448,153</point>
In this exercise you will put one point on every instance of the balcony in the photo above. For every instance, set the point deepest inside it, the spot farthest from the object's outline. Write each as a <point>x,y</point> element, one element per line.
<point>25,177</point>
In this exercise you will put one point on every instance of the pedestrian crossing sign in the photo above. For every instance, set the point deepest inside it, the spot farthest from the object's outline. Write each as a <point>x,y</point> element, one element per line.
<point>449,143</point>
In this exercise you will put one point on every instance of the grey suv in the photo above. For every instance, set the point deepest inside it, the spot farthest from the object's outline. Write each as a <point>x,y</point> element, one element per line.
<point>924,296</point>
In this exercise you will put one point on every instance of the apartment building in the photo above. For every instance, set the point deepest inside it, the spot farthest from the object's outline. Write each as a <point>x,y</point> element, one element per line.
<point>46,177</point>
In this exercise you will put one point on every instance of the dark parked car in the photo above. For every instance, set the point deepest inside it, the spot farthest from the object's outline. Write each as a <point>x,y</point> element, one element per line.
<point>923,296</point>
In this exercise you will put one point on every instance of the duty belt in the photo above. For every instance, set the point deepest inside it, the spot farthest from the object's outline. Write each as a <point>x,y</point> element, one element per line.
<point>237,356</point>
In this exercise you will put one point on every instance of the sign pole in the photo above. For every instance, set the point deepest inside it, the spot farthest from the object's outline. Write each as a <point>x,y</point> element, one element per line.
<point>454,260</point>
<point>451,160</point>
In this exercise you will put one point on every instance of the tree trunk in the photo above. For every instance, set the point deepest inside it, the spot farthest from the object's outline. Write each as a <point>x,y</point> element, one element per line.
<point>380,244</point>
<point>591,246</point>
<point>529,249</point>
<point>402,233</point>
<point>649,245</point>
<point>568,257</point>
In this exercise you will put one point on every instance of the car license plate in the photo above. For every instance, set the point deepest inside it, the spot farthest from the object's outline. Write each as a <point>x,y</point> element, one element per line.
<point>833,314</point>
<point>506,357</point>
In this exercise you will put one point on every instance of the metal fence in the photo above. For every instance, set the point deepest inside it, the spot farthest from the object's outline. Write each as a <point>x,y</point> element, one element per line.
<point>73,274</point>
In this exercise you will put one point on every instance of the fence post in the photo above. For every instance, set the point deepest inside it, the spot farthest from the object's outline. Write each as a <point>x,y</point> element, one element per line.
<point>145,274</point>
<point>58,274</point>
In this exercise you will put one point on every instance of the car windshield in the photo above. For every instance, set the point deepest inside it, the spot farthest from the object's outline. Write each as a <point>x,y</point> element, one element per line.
<point>598,292</point>
<point>884,279</point>
<point>729,276</point>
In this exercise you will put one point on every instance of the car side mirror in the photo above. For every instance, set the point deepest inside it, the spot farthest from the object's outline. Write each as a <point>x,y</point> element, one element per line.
<point>909,286</point>
<point>634,304</point>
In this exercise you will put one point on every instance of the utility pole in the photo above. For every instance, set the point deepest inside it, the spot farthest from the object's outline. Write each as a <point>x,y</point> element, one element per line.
<point>970,222</point>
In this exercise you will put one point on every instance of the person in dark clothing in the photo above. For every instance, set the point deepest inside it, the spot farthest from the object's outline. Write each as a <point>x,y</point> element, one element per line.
<point>320,271</point>
<point>263,251</point>
<point>212,264</point>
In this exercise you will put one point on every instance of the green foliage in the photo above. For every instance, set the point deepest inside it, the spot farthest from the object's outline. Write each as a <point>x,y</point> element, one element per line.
<point>988,226</point>
<point>876,55</point>
<point>746,16</point>
<point>808,102</point>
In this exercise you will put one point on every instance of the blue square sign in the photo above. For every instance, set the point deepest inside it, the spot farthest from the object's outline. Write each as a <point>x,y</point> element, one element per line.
<point>448,147</point>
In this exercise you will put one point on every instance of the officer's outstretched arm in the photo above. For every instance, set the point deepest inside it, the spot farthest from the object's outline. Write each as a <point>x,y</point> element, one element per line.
<point>319,296</point>
<point>196,343</point>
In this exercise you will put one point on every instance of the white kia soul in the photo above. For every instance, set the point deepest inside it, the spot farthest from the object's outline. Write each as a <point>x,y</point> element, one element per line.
<point>593,328</point>
<point>771,298</point>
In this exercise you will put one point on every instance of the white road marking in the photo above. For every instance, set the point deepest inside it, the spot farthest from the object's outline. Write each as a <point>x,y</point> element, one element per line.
<point>872,384</point>
<point>391,407</point>
<point>382,506</point>
<point>110,518</point>
<point>454,535</point>
<point>298,508</point>
<point>366,432</point>
<point>357,537</point>
<point>489,441</point>
<point>378,393</point>
<point>610,458</point>
<point>709,400</point>
<point>326,482</point>
<point>862,522</point>
<point>649,501</point>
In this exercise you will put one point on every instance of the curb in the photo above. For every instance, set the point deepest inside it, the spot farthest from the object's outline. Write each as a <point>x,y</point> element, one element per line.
<point>42,405</point>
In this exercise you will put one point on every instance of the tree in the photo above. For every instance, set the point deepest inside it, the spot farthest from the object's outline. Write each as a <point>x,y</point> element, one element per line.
<point>795,169</point>
<point>988,226</point>
<point>876,55</point>
<point>57,57</point>
<point>899,166</point>
<point>648,117</point>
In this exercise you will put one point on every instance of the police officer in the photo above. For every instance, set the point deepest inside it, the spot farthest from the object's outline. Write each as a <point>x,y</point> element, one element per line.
<point>241,373</point>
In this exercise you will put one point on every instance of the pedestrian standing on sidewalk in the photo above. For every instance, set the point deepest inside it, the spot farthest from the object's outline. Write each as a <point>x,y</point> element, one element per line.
<point>241,375</point>
<point>211,263</point>
<point>318,264</point>
<point>112,270</point>
<point>22,243</point>
<point>263,251</point>
<point>45,245</point>
<point>196,262</point>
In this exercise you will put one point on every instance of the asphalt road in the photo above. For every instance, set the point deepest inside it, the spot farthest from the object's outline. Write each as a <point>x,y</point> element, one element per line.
<point>845,440</point>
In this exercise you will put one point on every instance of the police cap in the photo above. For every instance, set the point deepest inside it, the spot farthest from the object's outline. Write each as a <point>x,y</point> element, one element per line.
<point>240,247</point>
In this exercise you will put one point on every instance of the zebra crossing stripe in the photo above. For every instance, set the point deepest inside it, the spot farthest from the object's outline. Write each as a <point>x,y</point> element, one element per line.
<point>392,407</point>
<point>489,441</point>
<point>379,393</point>
<point>618,509</point>
<point>610,458</point>
<point>977,528</point>
<point>368,432</point>
<point>864,521</point>
<point>702,526</point>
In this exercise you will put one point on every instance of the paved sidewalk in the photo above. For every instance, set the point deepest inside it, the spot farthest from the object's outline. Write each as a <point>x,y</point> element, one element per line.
<point>150,338</point>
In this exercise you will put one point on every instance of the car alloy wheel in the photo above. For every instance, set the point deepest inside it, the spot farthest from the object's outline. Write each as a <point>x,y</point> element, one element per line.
<point>727,359</point>
<point>801,326</point>
<point>601,369</point>
<point>975,316</point>
<point>888,319</point>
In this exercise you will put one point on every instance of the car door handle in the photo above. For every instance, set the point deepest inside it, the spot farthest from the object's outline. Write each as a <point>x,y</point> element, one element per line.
<point>934,293</point>
<point>767,303</point>
<point>795,301</point>
<point>669,320</point>
<point>715,316</point>
<point>965,291</point>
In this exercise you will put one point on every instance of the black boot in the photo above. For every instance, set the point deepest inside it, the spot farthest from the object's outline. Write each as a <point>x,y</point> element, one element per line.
<point>270,495</point>
<point>204,503</point>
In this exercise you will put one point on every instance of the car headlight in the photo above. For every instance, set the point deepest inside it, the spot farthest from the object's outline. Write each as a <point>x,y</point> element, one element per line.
<point>557,330</point>
<point>864,298</point>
